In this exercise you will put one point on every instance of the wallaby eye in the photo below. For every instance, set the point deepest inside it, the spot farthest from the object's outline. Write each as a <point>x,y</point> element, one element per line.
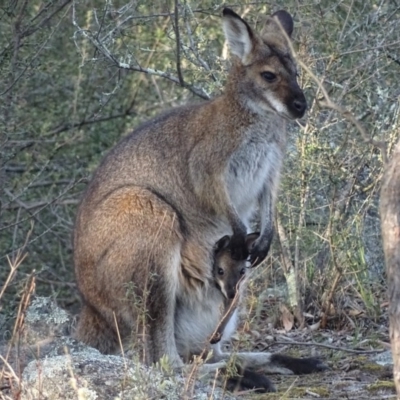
<point>242,271</point>
<point>220,271</point>
<point>268,76</point>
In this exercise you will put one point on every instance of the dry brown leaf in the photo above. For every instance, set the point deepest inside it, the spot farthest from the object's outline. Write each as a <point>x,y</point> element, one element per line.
<point>355,313</point>
<point>332,310</point>
<point>287,318</point>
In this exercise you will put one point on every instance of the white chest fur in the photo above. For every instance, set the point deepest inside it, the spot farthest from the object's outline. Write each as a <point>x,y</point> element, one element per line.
<point>196,322</point>
<point>255,166</point>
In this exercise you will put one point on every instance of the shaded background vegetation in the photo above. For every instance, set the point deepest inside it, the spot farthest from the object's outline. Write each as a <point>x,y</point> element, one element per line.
<point>76,76</point>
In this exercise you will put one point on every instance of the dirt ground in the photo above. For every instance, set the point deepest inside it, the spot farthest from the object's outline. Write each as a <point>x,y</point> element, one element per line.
<point>352,378</point>
<point>356,351</point>
<point>352,375</point>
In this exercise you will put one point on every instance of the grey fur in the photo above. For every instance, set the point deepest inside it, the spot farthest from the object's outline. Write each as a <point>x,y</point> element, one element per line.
<point>167,192</point>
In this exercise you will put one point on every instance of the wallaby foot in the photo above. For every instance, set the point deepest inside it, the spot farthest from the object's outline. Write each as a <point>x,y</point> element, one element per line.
<point>94,331</point>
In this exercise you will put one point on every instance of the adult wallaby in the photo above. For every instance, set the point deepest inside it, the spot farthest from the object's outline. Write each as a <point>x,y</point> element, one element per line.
<point>167,192</point>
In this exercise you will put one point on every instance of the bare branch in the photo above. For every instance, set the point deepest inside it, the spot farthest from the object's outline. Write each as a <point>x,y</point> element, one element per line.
<point>327,346</point>
<point>178,45</point>
<point>42,206</point>
<point>328,103</point>
<point>36,204</point>
<point>35,56</point>
<point>67,127</point>
<point>31,30</point>
<point>101,46</point>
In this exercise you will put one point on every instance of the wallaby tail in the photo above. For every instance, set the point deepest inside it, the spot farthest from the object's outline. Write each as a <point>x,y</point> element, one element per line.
<point>95,331</point>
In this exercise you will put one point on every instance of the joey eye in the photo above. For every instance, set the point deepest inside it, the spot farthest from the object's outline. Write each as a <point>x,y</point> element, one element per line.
<point>220,271</point>
<point>268,76</point>
<point>242,271</point>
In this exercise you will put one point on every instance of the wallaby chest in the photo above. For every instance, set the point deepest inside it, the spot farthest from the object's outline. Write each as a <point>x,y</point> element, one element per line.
<point>255,165</point>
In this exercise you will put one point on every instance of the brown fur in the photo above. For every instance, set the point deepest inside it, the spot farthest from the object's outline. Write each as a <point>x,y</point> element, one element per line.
<point>163,196</point>
<point>228,275</point>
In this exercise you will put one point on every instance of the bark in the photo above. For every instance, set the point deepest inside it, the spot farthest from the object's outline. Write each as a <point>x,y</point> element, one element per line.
<point>390,224</point>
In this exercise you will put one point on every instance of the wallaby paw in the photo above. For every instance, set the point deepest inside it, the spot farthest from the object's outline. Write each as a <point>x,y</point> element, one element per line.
<point>216,338</point>
<point>259,252</point>
<point>299,366</point>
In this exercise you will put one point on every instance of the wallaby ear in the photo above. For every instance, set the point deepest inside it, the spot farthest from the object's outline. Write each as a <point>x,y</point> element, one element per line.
<point>251,238</point>
<point>284,18</point>
<point>222,243</point>
<point>238,34</point>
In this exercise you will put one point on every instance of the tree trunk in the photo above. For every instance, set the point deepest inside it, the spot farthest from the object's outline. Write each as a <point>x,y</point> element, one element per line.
<point>390,224</point>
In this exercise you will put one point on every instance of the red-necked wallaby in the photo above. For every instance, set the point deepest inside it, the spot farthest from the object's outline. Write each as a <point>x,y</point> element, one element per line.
<point>166,193</point>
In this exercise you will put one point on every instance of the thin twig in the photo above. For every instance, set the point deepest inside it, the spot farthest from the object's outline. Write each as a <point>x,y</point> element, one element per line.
<point>80,124</point>
<point>46,204</point>
<point>13,268</point>
<point>327,346</point>
<point>195,51</point>
<point>39,51</point>
<point>178,45</point>
<point>10,369</point>
<point>120,340</point>
<point>36,204</point>
<point>31,30</point>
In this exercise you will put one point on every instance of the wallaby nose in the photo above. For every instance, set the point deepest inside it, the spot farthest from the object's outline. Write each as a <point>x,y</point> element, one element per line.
<point>300,107</point>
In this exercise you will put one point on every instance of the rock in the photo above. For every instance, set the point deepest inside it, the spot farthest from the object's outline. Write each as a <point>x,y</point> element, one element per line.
<point>57,367</point>
<point>384,358</point>
<point>44,319</point>
<point>90,375</point>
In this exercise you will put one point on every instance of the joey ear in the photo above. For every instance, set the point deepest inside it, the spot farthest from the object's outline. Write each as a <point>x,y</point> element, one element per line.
<point>251,238</point>
<point>238,34</point>
<point>284,18</point>
<point>222,243</point>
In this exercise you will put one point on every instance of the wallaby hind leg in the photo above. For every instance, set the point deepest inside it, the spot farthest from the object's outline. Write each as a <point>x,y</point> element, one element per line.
<point>127,260</point>
<point>93,330</point>
<point>160,334</point>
